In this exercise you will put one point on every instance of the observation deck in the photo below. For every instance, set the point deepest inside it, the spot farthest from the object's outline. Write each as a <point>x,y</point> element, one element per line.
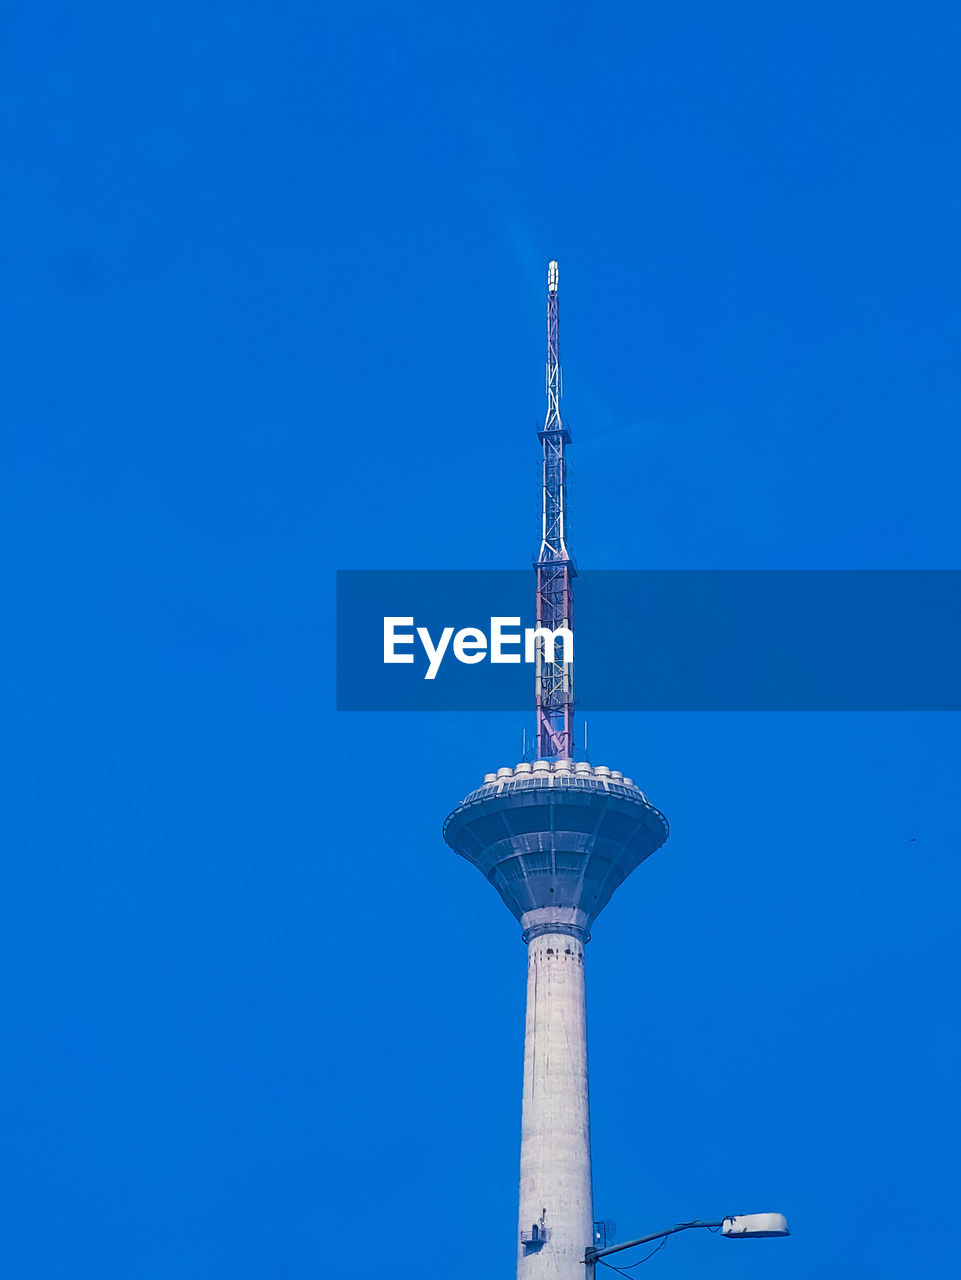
<point>555,839</point>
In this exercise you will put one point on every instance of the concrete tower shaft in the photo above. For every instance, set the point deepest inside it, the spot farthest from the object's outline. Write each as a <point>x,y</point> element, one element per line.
<point>555,1212</point>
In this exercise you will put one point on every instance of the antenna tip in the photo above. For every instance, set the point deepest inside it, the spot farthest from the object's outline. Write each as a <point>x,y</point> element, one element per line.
<point>552,277</point>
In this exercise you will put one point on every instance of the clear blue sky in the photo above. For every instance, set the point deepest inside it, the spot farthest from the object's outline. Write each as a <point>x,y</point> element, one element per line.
<point>274,278</point>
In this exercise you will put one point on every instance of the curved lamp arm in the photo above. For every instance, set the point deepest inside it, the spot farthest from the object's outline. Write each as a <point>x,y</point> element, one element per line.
<point>747,1226</point>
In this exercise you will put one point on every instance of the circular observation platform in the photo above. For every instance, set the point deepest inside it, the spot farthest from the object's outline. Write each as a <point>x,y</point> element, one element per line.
<point>555,839</point>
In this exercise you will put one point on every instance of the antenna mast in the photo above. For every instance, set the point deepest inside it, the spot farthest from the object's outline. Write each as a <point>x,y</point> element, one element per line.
<point>554,680</point>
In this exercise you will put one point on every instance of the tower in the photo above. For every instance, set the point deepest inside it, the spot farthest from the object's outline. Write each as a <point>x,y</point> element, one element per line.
<point>555,838</point>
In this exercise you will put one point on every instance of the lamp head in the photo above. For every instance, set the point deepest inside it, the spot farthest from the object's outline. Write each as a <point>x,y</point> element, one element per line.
<point>755,1226</point>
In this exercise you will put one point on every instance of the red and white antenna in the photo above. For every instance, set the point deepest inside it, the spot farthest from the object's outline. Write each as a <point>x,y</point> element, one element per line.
<point>554,679</point>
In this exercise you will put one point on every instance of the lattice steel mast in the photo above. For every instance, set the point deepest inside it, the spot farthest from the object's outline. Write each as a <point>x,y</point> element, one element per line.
<point>554,680</point>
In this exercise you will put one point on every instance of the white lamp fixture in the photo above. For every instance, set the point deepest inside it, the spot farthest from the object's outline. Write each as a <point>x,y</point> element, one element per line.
<point>755,1226</point>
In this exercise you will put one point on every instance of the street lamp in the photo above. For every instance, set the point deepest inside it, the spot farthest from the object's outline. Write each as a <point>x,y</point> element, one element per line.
<point>745,1226</point>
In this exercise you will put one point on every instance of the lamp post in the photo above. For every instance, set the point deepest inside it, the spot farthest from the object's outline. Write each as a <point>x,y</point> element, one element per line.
<point>746,1226</point>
